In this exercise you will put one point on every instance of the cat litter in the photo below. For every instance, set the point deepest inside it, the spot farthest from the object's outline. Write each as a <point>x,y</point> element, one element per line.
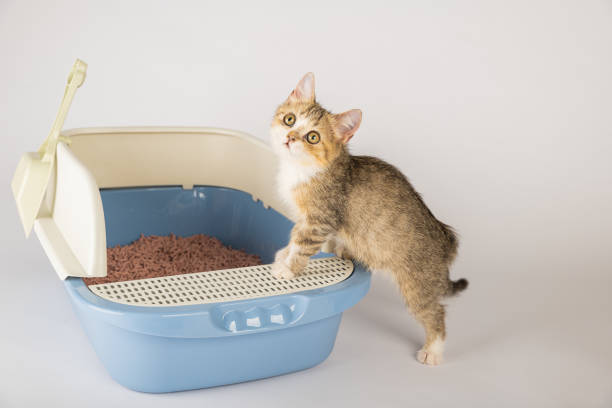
<point>87,190</point>
<point>159,256</point>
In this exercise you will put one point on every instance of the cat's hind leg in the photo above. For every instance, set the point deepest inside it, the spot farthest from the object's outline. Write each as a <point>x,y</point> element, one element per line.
<point>432,319</point>
<point>430,313</point>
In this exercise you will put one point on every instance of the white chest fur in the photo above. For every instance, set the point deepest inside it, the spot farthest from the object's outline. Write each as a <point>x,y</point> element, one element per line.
<point>290,175</point>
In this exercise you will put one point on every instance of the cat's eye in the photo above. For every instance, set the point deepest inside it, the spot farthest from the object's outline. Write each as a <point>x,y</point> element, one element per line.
<point>313,137</point>
<point>289,119</point>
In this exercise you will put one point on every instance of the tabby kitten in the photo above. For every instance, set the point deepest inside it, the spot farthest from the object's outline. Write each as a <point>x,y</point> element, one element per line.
<point>361,208</point>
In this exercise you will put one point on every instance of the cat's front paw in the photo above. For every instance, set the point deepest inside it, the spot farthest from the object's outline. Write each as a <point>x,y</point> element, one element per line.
<point>342,252</point>
<point>328,246</point>
<point>336,247</point>
<point>281,254</point>
<point>281,271</point>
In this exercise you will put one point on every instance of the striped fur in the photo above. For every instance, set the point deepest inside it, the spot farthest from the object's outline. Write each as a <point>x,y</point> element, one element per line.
<point>362,208</point>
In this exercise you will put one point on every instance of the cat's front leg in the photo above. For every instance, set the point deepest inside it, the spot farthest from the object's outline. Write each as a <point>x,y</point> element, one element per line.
<point>335,245</point>
<point>281,254</point>
<point>306,240</point>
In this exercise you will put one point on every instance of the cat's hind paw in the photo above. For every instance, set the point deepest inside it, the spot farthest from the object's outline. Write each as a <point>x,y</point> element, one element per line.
<point>281,271</point>
<point>431,353</point>
<point>429,357</point>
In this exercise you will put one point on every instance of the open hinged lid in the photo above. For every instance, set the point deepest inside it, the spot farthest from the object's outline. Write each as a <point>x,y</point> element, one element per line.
<point>57,196</point>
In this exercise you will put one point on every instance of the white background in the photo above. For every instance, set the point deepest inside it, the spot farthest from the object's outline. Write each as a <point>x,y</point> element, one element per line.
<point>500,113</point>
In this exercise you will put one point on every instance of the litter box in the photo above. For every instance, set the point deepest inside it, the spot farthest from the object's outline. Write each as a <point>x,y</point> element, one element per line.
<point>89,189</point>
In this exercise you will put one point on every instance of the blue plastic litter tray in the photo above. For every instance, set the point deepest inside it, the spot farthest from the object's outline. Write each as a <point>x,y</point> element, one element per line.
<point>174,348</point>
<point>87,189</point>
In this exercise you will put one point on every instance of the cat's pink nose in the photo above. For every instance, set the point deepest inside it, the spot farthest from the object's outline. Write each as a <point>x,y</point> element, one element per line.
<point>292,136</point>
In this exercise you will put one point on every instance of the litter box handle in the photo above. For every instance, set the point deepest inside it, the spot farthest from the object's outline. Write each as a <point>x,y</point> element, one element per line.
<point>75,80</point>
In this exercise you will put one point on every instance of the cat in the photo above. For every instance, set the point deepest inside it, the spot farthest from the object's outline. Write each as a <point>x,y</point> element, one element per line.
<point>360,208</point>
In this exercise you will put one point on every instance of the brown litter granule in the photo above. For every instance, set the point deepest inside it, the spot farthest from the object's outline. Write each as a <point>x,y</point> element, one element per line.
<point>156,256</point>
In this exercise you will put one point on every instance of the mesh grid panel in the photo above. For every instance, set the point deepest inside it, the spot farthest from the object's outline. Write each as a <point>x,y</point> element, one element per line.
<point>223,285</point>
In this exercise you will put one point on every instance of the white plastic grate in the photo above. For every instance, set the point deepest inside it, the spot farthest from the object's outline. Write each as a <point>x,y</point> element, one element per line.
<point>223,285</point>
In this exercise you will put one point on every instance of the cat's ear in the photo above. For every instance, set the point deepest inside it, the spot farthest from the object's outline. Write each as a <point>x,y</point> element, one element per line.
<point>305,89</point>
<point>346,124</point>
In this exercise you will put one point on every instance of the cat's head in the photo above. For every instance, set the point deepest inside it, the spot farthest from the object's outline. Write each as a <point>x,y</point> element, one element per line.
<point>304,132</point>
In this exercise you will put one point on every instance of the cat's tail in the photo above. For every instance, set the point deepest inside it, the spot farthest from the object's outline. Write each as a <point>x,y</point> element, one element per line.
<point>455,287</point>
